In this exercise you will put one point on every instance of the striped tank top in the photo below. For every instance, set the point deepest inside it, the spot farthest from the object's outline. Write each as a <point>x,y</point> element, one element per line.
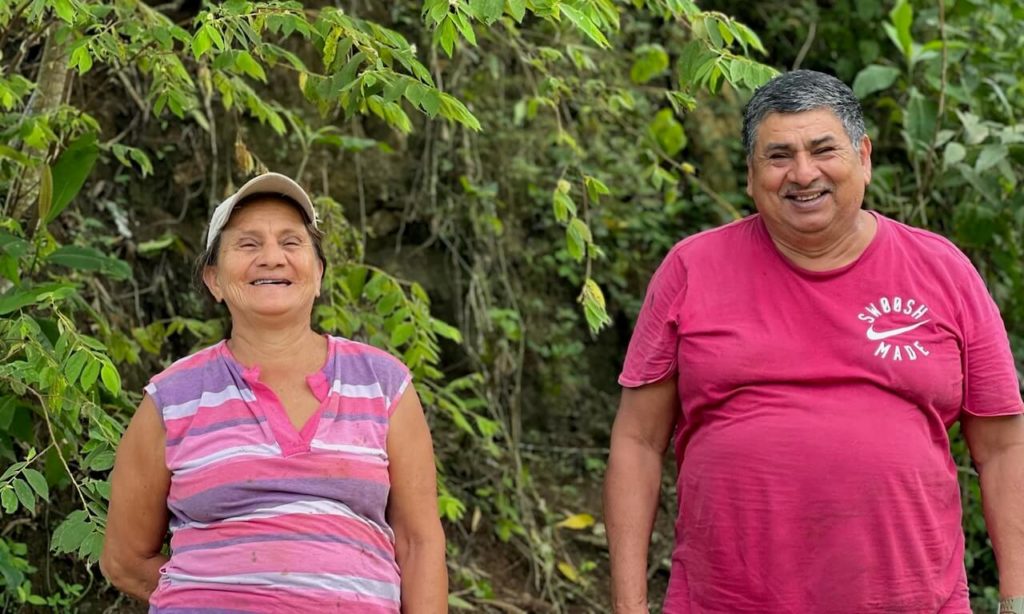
<point>265,518</point>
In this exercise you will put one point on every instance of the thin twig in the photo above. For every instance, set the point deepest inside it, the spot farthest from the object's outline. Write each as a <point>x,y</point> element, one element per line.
<point>56,446</point>
<point>811,31</point>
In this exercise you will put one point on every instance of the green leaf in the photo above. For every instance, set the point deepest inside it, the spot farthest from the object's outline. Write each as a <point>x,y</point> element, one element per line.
<point>453,109</point>
<point>388,303</point>
<point>70,172</point>
<point>90,373</point>
<point>248,64</point>
<point>201,43</point>
<point>954,152</point>
<point>215,36</point>
<point>458,603</point>
<point>465,27</point>
<point>445,33</point>
<point>402,333</point>
<point>92,546</point>
<point>101,461</point>
<point>874,78</point>
<point>81,59</point>
<point>667,132</point>
<point>990,156</point>
<point>585,24</point>
<point>69,535</point>
<point>153,246</point>
<point>577,236</point>
<point>9,501</point>
<point>89,259</point>
<point>595,188</point>
<point>38,482</point>
<point>111,378</point>
<point>24,493</point>
<point>12,245</point>
<point>16,298</point>
<point>651,61</point>
<point>919,119</point>
<point>74,365</point>
<point>517,9</point>
<point>902,17</point>
<point>64,9</point>
<point>563,206</point>
<point>445,330</point>
<point>487,11</point>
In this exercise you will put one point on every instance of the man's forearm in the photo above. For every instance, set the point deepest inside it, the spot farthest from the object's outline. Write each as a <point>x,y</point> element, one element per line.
<point>1002,483</point>
<point>630,503</point>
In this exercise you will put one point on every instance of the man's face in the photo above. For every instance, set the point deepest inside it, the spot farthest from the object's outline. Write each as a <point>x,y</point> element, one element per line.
<point>805,177</point>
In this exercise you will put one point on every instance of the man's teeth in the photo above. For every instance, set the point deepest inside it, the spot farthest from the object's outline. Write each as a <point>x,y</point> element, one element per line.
<point>263,282</point>
<point>807,197</point>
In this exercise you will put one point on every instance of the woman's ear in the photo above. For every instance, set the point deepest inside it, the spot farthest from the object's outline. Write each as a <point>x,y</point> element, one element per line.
<point>210,279</point>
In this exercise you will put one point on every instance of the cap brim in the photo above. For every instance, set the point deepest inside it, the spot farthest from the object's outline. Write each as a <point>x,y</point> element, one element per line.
<point>267,183</point>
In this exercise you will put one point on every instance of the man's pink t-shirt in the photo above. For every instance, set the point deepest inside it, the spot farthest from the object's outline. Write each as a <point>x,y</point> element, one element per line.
<point>814,465</point>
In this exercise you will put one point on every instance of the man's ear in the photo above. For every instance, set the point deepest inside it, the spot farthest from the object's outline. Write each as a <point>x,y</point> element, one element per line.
<point>210,279</point>
<point>865,158</point>
<point>750,179</point>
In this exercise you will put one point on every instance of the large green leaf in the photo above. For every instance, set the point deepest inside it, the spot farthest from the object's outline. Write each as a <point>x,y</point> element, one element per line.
<point>874,78</point>
<point>651,61</point>
<point>89,259</point>
<point>668,132</point>
<point>70,172</point>
<point>16,298</point>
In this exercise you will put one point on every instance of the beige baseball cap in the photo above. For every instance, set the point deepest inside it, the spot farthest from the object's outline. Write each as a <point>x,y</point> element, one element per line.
<point>272,183</point>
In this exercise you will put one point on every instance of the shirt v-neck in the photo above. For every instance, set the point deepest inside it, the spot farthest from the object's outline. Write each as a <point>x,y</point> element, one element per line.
<point>290,439</point>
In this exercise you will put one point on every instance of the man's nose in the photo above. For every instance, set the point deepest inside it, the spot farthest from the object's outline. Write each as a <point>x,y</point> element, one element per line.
<point>804,170</point>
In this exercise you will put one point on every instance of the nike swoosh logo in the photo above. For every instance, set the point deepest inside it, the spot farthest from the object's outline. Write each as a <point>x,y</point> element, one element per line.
<point>878,335</point>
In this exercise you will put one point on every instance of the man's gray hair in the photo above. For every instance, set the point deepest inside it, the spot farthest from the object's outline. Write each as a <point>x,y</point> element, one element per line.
<point>803,90</point>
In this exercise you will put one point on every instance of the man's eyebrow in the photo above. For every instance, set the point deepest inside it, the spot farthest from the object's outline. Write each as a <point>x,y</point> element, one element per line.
<point>778,147</point>
<point>821,140</point>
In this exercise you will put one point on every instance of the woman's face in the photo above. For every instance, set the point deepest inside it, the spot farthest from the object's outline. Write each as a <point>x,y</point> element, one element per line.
<point>267,264</point>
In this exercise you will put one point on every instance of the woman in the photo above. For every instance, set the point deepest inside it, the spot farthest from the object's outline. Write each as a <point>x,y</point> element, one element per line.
<point>295,469</point>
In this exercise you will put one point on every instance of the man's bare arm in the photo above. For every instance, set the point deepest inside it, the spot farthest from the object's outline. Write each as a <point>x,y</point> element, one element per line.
<point>640,435</point>
<point>997,446</point>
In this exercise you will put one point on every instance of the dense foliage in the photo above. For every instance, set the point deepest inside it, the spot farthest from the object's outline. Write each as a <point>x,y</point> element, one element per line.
<point>497,179</point>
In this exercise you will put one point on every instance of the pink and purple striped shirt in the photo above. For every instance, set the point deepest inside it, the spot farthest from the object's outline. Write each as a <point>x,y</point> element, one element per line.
<point>266,518</point>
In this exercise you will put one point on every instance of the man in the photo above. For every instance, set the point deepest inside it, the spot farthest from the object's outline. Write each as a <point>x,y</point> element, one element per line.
<point>810,360</point>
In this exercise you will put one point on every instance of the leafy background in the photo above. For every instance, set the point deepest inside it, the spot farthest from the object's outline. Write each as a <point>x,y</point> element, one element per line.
<point>497,179</point>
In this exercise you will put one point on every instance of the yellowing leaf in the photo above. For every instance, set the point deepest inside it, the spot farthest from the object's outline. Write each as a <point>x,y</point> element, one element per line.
<point>569,571</point>
<point>577,522</point>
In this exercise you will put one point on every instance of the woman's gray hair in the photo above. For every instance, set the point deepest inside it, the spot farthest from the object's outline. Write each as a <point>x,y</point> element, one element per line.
<point>803,90</point>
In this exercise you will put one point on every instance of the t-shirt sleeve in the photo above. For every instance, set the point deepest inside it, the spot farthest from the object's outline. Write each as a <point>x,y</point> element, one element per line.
<point>393,380</point>
<point>990,377</point>
<point>154,392</point>
<point>653,348</point>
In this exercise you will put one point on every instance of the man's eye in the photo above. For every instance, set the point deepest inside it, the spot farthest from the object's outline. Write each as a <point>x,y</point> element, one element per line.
<point>247,244</point>
<point>825,150</point>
